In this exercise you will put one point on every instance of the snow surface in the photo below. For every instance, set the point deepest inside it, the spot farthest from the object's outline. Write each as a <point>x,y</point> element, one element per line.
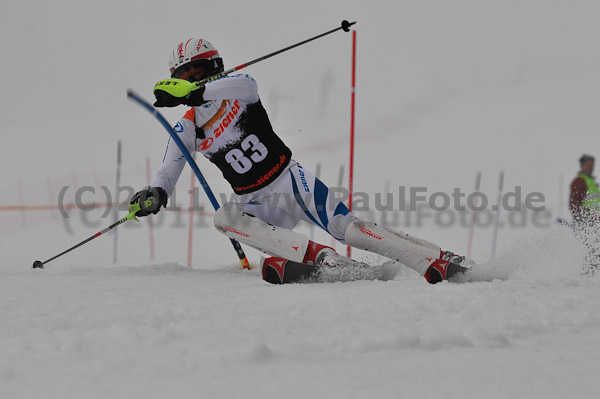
<point>526,326</point>
<point>444,89</point>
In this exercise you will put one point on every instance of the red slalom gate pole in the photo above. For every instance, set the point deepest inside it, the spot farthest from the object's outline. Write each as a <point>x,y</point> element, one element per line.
<point>352,108</point>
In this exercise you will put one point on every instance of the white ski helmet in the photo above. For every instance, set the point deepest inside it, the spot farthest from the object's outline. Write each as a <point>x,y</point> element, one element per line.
<point>196,51</point>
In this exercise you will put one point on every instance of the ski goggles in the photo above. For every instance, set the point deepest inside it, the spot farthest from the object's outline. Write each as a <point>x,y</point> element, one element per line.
<point>193,72</point>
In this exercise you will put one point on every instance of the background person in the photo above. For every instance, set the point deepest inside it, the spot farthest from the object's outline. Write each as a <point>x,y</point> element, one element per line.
<point>584,201</point>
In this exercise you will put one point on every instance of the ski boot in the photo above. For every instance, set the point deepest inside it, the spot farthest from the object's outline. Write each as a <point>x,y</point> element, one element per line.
<point>448,265</point>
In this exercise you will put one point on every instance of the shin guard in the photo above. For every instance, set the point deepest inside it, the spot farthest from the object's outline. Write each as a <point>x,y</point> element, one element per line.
<point>413,252</point>
<point>260,235</point>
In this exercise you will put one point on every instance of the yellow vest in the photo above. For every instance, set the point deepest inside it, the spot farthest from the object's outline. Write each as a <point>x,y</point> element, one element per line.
<point>592,197</point>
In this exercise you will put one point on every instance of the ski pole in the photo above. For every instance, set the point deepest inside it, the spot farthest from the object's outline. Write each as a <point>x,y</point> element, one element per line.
<point>135,97</point>
<point>133,209</point>
<point>345,26</point>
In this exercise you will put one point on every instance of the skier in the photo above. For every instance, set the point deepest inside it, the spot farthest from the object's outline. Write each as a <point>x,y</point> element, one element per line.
<point>228,124</point>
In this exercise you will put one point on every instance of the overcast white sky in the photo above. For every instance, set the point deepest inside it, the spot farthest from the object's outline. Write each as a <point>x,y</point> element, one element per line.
<point>444,88</point>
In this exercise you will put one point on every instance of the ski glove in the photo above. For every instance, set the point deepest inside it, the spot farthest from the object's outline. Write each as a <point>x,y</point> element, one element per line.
<point>151,192</point>
<point>173,92</point>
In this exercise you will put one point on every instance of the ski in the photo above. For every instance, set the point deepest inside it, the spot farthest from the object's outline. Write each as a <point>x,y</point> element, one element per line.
<point>284,271</point>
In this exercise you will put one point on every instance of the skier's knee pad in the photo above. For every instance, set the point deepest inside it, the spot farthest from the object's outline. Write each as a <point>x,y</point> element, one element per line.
<point>339,225</point>
<point>228,216</point>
